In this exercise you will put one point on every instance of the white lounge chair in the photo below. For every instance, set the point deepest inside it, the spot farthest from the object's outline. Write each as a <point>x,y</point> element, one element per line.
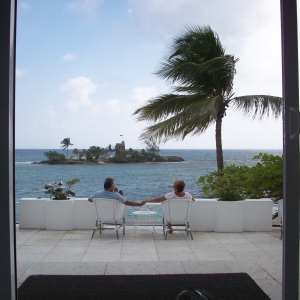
<point>109,212</point>
<point>176,212</point>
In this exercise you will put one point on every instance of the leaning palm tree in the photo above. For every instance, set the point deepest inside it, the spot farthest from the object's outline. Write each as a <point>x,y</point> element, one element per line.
<point>203,75</point>
<point>65,143</point>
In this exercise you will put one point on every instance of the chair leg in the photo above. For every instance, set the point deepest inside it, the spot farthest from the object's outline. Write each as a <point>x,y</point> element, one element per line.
<point>164,227</point>
<point>96,226</point>
<point>191,235</point>
<point>123,226</point>
<point>117,229</point>
<point>281,234</point>
<point>100,226</point>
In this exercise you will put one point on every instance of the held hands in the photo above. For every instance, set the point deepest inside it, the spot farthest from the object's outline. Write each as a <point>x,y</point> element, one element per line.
<point>90,200</point>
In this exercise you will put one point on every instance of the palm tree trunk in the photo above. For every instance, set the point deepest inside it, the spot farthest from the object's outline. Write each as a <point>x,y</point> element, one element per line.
<point>219,150</point>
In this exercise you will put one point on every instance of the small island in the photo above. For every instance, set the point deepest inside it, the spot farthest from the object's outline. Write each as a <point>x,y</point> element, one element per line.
<point>98,155</point>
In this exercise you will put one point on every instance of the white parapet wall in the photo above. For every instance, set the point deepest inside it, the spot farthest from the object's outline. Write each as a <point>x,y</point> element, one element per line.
<point>205,214</point>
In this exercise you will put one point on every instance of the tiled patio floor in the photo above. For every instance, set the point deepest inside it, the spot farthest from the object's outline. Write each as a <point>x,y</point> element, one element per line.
<point>143,252</point>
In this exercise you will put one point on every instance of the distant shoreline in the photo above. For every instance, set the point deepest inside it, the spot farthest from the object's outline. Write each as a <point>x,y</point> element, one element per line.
<point>104,161</point>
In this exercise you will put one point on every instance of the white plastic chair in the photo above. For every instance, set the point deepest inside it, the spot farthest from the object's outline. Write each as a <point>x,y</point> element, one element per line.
<point>109,212</point>
<point>176,212</point>
<point>280,215</point>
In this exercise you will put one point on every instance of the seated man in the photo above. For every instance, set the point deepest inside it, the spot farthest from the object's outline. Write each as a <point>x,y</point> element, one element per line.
<point>109,193</point>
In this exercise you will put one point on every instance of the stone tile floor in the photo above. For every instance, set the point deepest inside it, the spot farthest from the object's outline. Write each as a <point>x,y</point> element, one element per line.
<point>143,252</point>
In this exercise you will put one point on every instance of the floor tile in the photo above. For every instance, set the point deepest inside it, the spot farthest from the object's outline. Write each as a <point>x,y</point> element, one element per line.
<point>105,249</point>
<point>101,257</point>
<point>63,257</point>
<point>68,249</point>
<point>138,257</point>
<point>30,257</point>
<point>177,257</point>
<point>134,268</point>
<point>271,287</point>
<point>34,249</point>
<point>214,256</point>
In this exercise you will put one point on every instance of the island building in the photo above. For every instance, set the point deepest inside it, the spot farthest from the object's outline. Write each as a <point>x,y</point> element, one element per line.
<point>120,149</point>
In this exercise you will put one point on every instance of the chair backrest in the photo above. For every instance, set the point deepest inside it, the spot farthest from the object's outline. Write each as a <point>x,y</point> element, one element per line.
<point>280,209</point>
<point>109,209</point>
<point>176,210</point>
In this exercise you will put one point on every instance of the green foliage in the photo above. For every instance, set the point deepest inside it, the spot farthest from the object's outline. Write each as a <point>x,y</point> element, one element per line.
<point>152,148</point>
<point>263,180</point>
<point>266,180</point>
<point>53,155</point>
<point>59,193</point>
<point>95,152</point>
<point>65,144</point>
<point>76,151</point>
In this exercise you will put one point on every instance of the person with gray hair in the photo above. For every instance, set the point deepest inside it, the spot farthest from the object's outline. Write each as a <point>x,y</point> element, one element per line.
<point>109,193</point>
<point>178,193</point>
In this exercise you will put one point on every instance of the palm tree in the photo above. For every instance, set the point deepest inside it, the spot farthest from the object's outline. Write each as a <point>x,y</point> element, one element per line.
<point>204,75</point>
<point>65,143</point>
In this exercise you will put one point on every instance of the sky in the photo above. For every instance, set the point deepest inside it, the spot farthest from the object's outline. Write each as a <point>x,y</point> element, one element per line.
<point>84,66</point>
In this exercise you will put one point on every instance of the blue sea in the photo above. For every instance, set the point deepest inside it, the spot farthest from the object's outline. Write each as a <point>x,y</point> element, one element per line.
<point>138,181</point>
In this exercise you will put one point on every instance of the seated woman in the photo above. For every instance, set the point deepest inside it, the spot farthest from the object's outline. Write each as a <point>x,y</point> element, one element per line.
<point>177,194</point>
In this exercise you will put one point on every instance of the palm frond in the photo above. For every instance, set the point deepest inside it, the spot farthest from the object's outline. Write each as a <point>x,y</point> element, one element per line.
<point>258,105</point>
<point>165,105</point>
<point>195,119</point>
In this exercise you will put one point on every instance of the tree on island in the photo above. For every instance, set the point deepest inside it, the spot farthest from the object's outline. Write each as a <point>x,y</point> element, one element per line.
<point>96,152</point>
<point>65,143</point>
<point>76,152</point>
<point>203,75</point>
<point>55,156</point>
<point>152,147</point>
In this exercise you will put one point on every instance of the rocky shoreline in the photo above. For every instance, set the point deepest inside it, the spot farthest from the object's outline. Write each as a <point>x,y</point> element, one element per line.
<point>110,161</point>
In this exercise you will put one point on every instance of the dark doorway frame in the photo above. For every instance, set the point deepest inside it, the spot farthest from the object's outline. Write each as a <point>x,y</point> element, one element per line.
<point>290,91</point>
<point>8,285</point>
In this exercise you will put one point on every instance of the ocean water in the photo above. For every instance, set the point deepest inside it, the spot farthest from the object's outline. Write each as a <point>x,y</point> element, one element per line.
<point>138,181</point>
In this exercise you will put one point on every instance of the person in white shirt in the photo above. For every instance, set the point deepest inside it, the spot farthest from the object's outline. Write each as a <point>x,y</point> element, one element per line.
<point>178,193</point>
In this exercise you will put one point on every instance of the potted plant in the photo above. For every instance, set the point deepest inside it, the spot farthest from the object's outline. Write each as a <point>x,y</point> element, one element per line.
<point>62,193</point>
<point>228,186</point>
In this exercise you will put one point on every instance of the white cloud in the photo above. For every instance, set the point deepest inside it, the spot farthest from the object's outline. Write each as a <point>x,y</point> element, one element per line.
<point>142,94</point>
<point>113,106</point>
<point>24,6</point>
<point>80,89</point>
<point>87,8</point>
<point>69,56</point>
<point>21,73</point>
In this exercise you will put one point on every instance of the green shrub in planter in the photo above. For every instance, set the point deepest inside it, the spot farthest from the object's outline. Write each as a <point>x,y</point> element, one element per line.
<point>59,193</point>
<point>225,184</point>
<point>263,180</point>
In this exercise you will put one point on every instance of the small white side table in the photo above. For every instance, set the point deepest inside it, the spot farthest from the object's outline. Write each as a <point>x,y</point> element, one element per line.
<point>146,212</point>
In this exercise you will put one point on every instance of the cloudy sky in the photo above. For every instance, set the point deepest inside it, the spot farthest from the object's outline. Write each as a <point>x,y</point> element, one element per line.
<point>84,67</point>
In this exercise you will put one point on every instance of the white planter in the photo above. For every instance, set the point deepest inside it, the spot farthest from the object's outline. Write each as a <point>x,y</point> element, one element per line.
<point>59,215</point>
<point>229,216</point>
<point>84,214</point>
<point>32,213</point>
<point>202,215</point>
<point>258,215</point>
<point>205,215</point>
